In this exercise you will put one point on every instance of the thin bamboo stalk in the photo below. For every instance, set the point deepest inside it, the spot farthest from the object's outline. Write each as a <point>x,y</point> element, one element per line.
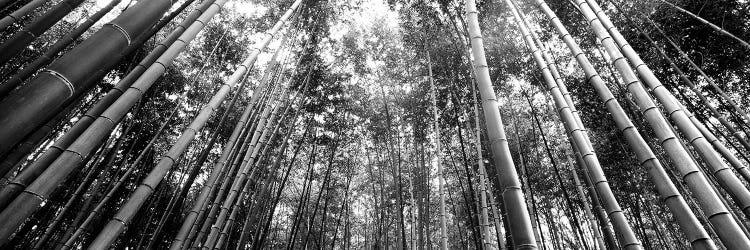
<point>706,22</point>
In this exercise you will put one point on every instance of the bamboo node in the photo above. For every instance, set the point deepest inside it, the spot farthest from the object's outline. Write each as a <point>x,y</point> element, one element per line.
<point>64,79</point>
<point>123,31</point>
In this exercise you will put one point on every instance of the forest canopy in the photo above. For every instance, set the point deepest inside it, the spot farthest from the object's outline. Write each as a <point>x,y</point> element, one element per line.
<point>313,124</point>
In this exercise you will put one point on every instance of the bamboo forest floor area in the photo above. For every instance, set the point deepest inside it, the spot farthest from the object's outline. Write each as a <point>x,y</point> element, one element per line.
<point>384,124</point>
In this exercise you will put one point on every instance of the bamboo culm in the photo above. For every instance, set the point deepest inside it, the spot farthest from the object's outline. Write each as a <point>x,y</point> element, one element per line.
<point>91,138</point>
<point>726,226</point>
<point>65,79</point>
<point>29,174</point>
<point>22,38</point>
<point>514,201</point>
<point>625,234</point>
<point>719,169</point>
<point>687,220</point>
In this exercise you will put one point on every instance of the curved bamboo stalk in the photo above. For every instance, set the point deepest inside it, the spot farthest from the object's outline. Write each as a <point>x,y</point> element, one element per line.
<point>16,15</point>
<point>706,22</point>
<point>724,175</point>
<point>520,229</point>
<point>16,43</point>
<point>625,233</point>
<point>726,226</point>
<point>66,78</point>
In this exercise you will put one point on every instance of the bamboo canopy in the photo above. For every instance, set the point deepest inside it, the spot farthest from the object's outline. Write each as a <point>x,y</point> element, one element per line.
<point>311,124</point>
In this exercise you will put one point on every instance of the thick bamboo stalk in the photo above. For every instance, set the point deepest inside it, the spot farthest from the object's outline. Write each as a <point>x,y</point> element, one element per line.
<point>129,170</point>
<point>724,175</point>
<point>16,15</point>
<point>26,203</point>
<point>520,228</point>
<point>625,233</point>
<point>65,79</point>
<point>726,226</point>
<point>706,22</point>
<point>16,79</point>
<point>18,42</point>
<point>483,182</point>
<point>79,127</point>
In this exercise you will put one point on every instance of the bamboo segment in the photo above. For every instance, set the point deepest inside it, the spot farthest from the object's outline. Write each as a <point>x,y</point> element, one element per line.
<point>727,228</point>
<point>724,175</point>
<point>483,182</point>
<point>625,233</point>
<point>22,38</point>
<point>520,222</point>
<point>65,79</point>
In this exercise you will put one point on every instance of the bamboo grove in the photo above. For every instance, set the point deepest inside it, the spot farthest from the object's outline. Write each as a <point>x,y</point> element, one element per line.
<point>313,124</point>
